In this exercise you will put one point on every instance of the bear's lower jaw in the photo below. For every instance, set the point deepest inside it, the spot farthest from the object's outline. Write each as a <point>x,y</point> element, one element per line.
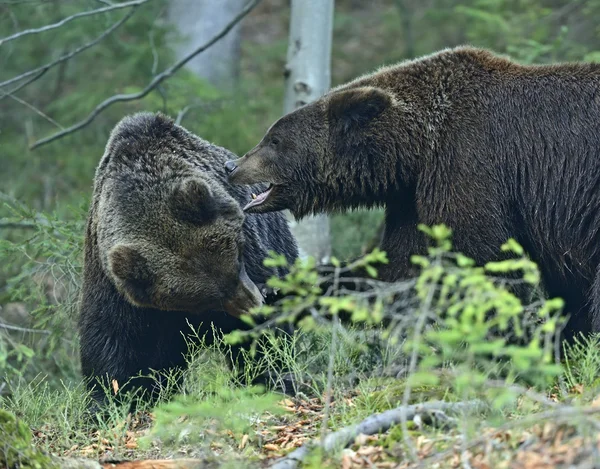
<point>260,198</point>
<point>246,296</point>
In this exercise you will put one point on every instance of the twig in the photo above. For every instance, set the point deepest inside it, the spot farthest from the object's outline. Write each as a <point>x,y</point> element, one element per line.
<point>22,2</point>
<point>534,396</point>
<point>153,83</point>
<point>414,357</point>
<point>23,329</point>
<point>68,19</point>
<point>24,84</point>
<point>182,113</point>
<point>329,390</point>
<point>33,108</point>
<point>30,221</point>
<point>154,52</point>
<point>332,351</point>
<point>374,424</point>
<point>38,72</point>
<point>4,223</point>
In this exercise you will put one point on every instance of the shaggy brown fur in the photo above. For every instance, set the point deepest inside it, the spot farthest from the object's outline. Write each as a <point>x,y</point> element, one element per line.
<point>167,246</point>
<point>463,137</point>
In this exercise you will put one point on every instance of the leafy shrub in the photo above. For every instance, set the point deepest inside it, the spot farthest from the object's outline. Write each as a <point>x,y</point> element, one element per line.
<point>455,315</point>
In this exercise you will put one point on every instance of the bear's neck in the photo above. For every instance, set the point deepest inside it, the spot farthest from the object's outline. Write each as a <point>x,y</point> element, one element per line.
<point>367,176</point>
<point>352,186</point>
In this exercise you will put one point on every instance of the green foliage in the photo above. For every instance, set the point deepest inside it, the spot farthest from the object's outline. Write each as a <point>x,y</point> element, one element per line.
<point>68,92</point>
<point>582,362</point>
<point>192,420</point>
<point>355,232</point>
<point>480,322</point>
<point>42,271</point>
<point>459,314</point>
<point>16,446</point>
<point>468,317</point>
<point>57,174</point>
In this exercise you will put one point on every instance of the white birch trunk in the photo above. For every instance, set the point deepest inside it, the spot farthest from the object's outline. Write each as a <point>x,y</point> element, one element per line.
<point>308,76</point>
<point>199,20</point>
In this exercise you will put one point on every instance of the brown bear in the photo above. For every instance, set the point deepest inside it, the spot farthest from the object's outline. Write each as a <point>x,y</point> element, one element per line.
<point>464,137</point>
<point>167,247</point>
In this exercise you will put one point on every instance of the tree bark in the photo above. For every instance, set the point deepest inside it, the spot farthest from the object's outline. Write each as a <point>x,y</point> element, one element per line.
<point>199,20</point>
<point>308,76</point>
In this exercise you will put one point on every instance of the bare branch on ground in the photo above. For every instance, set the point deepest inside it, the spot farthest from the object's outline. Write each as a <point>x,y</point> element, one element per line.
<point>374,424</point>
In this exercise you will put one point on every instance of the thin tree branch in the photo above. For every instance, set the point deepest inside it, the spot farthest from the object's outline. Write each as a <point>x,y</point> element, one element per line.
<point>414,358</point>
<point>64,21</point>
<point>21,2</point>
<point>16,224</point>
<point>534,396</point>
<point>33,108</point>
<point>23,329</point>
<point>153,83</point>
<point>35,219</point>
<point>154,52</point>
<point>183,112</point>
<point>38,72</point>
<point>24,84</point>
<point>374,424</point>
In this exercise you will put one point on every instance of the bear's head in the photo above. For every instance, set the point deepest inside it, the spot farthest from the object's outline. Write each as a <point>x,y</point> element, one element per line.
<point>175,243</point>
<point>314,154</point>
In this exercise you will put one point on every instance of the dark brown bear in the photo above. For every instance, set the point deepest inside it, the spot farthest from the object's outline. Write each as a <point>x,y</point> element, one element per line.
<point>167,246</point>
<point>463,137</point>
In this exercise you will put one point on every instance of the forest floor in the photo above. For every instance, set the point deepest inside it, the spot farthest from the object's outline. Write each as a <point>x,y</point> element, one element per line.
<point>219,424</point>
<point>534,446</point>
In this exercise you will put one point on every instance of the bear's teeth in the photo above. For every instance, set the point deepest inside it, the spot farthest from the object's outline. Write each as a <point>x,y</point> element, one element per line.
<point>253,195</point>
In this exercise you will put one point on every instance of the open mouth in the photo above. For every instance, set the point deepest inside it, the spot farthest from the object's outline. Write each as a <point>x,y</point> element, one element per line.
<point>260,198</point>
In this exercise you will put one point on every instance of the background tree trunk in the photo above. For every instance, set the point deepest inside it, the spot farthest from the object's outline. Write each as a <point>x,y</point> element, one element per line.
<point>199,20</point>
<point>308,76</point>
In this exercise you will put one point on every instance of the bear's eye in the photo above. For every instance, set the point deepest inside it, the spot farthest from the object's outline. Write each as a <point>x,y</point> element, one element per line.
<point>274,141</point>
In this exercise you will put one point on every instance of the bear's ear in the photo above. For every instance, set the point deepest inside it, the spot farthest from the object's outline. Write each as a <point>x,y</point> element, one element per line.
<point>131,270</point>
<point>356,107</point>
<point>193,201</point>
<point>229,208</point>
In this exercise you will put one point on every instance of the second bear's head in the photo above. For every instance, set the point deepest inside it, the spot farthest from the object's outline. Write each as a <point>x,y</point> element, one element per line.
<point>321,155</point>
<point>174,242</point>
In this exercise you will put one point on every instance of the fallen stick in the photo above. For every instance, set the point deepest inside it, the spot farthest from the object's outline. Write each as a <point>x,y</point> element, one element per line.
<point>374,424</point>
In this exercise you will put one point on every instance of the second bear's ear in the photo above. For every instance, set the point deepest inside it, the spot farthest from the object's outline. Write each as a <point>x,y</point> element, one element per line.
<point>356,107</point>
<point>193,202</point>
<point>131,270</point>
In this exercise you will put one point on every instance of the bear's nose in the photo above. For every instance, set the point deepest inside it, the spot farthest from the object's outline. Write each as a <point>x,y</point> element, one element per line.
<point>230,166</point>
